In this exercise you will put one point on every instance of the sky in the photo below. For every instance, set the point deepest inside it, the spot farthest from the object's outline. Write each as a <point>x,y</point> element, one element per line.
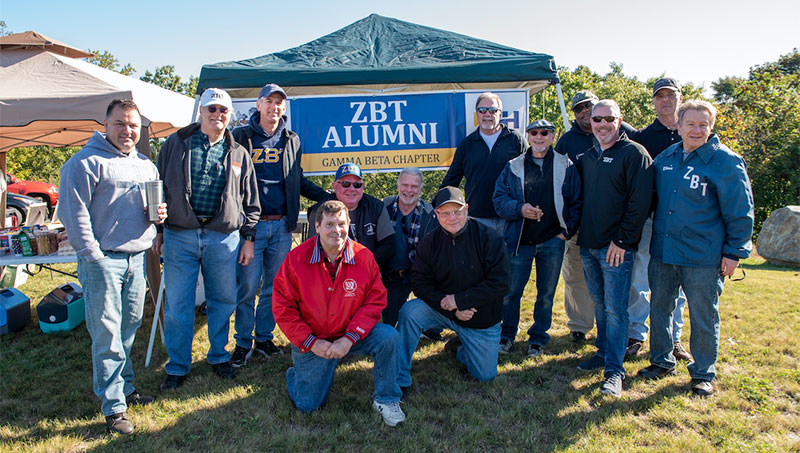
<point>695,41</point>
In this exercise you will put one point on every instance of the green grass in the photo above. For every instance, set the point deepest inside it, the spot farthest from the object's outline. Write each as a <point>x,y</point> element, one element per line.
<point>543,404</point>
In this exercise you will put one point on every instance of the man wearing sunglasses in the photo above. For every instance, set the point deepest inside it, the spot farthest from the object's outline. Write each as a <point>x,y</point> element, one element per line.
<point>539,195</point>
<point>212,198</point>
<point>481,156</point>
<point>369,222</point>
<point>617,191</point>
<point>276,154</point>
<point>460,275</point>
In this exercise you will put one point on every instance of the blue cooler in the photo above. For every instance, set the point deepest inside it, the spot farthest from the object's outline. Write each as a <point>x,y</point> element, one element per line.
<point>62,309</point>
<point>15,310</point>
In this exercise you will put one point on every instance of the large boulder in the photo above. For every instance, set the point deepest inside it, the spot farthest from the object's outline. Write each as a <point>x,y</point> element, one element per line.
<point>779,240</point>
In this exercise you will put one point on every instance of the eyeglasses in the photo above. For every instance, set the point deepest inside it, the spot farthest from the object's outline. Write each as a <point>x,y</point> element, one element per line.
<point>347,184</point>
<point>582,106</point>
<point>491,110</point>
<point>455,214</point>
<point>608,119</point>
<point>213,109</point>
<point>535,132</point>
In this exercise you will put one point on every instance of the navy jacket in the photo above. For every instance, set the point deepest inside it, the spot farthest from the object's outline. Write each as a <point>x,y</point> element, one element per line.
<point>704,207</point>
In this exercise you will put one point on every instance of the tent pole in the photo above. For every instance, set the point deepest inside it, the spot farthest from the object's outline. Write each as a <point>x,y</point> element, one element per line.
<point>195,112</point>
<point>563,107</point>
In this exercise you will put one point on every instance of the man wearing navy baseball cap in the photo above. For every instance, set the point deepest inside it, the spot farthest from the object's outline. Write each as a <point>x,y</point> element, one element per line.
<point>370,224</point>
<point>276,154</point>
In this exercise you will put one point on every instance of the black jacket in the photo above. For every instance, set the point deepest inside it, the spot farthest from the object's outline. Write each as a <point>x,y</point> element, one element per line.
<point>295,184</point>
<point>655,137</point>
<point>617,192</point>
<point>473,266</point>
<point>481,168</point>
<point>576,141</point>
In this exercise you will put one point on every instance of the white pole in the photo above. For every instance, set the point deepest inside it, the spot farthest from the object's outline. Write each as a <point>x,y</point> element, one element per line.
<point>156,322</point>
<point>563,107</point>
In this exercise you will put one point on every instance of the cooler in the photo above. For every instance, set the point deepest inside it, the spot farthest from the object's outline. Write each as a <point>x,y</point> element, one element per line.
<point>15,310</point>
<point>62,309</point>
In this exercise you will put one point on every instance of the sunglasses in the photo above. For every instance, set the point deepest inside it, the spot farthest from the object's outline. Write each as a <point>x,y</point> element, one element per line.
<point>455,214</point>
<point>535,132</point>
<point>491,110</point>
<point>609,119</point>
<point>213,109</point>
<point>581,107</point>
<point>347,184</point>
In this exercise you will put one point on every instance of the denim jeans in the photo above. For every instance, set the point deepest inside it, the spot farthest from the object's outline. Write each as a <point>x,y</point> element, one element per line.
<point>677,316</point>
<point>478,349</point>
<point>609,288</point>
<point>548,256</point>
<point>184,251</point>
<point>494,223</point>
<point>638,299</point>
<point>273,242</point>
<point>577,302</point>
<point>113,293</point>
<point>702,286</point>
<point>309,380</point>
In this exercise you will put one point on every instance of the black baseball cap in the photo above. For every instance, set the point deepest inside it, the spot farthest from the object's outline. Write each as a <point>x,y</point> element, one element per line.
<point>449,194</point>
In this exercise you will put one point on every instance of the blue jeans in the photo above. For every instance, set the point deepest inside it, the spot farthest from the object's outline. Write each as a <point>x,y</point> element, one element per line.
<point>548,256</point>
<point>309,380</point>
<point>638,301</point>
<point>273,242</point>
<point>677,316</point>
<point>702,286</point>
<point>113,291</point>
<point>609,287</point>
<point>495,223</point>
<point>184,251</point>
<point>478,350</point>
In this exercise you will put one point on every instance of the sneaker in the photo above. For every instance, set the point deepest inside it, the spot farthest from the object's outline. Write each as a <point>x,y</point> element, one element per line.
<point>612,385</point>
<point>535,350</point>
<point>135,399</point>
<point>452,345</point>
<point>432,335</point>
<point>224,370</point>
<point>680,353</point>
<point>595,363</point>
<point>240,356</point>
<point>171,383</point>
<point>702,388</point>
<point>505,347</point>
<point>391,413</point>
<point>119,423</point>
<point>655,372</point>
<point>577,337</point>
<point>634,347</point>
<point>267,349</point>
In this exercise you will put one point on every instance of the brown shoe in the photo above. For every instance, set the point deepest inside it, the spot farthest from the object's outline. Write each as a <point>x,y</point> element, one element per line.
<point>119,423</point>
<point>680,353</point>
<point>634,347</point>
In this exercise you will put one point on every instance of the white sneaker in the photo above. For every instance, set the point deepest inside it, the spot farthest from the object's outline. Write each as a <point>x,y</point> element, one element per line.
<point>391,413</point>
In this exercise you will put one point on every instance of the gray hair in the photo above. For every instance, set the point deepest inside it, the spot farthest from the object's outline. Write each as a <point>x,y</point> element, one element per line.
<point>697,104</point>
<point>489,95</point>
<point>414,171</point>
<point>610,103</point>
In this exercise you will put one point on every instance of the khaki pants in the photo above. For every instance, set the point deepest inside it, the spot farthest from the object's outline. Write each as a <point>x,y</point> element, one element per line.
<point>577,302</point>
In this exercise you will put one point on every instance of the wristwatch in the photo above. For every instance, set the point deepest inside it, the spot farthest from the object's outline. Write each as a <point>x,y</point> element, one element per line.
<point>249,237</point>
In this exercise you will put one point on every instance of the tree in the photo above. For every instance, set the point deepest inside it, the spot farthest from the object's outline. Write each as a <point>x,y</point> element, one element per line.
<point>105,59</point>
<point>4,31</point>
<point>759,118</point>
<point>165,77</point>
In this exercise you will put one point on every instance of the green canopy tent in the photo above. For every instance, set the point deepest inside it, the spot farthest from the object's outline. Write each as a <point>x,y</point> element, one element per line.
<point>383,55</point>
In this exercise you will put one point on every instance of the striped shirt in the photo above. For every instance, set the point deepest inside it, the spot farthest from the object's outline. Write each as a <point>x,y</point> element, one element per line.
<point>207,174</point>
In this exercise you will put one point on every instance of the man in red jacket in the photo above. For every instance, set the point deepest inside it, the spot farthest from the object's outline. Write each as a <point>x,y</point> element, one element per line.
<point>327,300</point>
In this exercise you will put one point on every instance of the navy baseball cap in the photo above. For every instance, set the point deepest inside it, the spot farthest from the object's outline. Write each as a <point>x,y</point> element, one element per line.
<point>668,83</point>
<point>540,124</point>
<point>271,88</point>
<point>449,194</point>
<point>583,96</point>
<point>348,169</point>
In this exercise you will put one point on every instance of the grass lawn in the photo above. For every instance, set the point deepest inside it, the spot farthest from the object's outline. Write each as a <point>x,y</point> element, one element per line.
<point>47,403</point>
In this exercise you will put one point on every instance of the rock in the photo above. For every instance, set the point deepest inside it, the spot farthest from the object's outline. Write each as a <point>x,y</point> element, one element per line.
<point>779,239</point>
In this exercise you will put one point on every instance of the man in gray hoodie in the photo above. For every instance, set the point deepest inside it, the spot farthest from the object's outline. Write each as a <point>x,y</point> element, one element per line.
<point>102,207</point>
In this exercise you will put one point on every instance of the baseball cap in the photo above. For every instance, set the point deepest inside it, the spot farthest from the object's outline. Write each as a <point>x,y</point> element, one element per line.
<point>540,124</point>
<point>269,89</point>
<point>449,194</point>
<point>583,96</point>
<point>668,83</point>
<point>215,96</point>
<point>348,169</point>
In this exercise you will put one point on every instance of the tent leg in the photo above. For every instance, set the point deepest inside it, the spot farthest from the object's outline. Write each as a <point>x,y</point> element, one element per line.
<point>563,107</point>
<point>156,323</point>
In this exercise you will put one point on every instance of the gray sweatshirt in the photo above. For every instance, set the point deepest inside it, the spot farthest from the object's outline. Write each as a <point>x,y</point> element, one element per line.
<point>101,203</point>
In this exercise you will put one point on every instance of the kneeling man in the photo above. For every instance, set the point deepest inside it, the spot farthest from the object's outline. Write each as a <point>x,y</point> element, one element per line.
<point>460,275</point>
<point>327,300</point>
